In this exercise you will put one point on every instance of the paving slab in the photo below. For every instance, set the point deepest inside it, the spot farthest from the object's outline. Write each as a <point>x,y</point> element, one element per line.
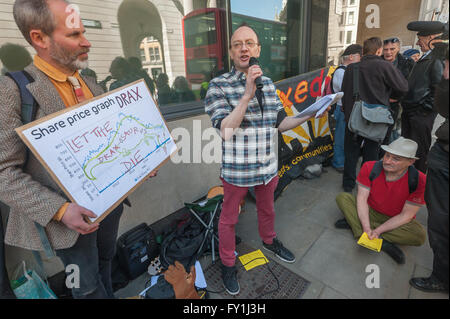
<point>341,264</point>
<point>328,258</point>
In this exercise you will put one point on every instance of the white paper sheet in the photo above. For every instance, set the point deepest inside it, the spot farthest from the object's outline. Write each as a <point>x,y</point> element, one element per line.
<point>320,106</point>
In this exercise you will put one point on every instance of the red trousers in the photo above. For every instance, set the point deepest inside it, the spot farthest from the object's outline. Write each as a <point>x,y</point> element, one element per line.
<point>233,195</point>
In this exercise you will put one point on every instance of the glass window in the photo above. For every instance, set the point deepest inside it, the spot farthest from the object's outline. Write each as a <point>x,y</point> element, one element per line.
<point>179,46</point>
<point>200,30</point>
<point>351,18</point>
<point>349,37</point>
<point>287,47</point>
<point>269,20</point>
<point>143,56</point>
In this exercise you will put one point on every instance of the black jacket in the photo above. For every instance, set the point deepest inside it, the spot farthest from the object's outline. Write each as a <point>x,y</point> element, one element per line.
<point>441,105</point>
<point>404,64</point>
<point>379,80</point>
<point>426,74</point>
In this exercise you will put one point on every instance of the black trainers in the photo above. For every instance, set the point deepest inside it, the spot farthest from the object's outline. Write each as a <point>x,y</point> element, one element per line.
<point>230,282</point>
<point>280,251</point>
<point>342,224</point>
<point>393,251</point>
<point>430,284</point>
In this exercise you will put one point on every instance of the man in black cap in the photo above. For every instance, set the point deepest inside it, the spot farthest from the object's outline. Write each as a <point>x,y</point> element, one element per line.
<point>352,54</point>
<point>418,115</point>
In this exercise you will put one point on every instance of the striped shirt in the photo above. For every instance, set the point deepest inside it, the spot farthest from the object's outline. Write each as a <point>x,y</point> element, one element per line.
<point>249,158</point>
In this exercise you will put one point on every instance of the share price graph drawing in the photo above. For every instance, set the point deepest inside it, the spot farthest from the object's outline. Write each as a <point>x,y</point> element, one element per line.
<point>102,150</point>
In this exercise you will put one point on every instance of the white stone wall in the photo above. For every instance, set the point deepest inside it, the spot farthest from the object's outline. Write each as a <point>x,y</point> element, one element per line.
<point>107,42</point>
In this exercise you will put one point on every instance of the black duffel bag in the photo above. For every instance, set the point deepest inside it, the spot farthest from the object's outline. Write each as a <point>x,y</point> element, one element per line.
<point>183,244</point>
<point>136,249</point>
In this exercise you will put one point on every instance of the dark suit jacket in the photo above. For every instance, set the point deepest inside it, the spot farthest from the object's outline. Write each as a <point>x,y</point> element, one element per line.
<point>426,74</point>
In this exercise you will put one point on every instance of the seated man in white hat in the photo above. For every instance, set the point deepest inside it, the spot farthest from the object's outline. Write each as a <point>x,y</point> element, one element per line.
<point>390,193</point>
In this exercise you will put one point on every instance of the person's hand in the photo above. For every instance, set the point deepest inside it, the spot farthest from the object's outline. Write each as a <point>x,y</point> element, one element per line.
<point>373,234</point>
<point>152,174</point>
<point>392,100</point>
<point>182,282</point>
<point>75,218</point>
<point>250,87</point>
<point>368,230</point>
<point>324,113</point>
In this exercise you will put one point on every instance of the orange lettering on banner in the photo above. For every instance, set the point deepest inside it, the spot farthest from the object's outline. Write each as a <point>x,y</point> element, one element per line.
<point>302,88</point>
<point>284,98</point>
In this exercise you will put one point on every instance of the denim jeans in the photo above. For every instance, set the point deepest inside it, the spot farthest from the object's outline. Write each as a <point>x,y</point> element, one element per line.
<point>339,134</point>
<point>93,254</point>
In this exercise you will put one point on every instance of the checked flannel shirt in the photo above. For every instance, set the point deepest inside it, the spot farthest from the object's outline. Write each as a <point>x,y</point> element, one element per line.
<point>249,158</point>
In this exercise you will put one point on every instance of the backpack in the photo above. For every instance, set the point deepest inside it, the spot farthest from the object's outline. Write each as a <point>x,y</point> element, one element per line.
<point>341,67</point>
<point>182,244</point>
<point>413,175</point>
<point>329,85</point>
<point>136,249</point>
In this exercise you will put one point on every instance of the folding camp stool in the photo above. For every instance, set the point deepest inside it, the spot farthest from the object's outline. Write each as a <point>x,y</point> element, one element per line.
<point>205,211</point>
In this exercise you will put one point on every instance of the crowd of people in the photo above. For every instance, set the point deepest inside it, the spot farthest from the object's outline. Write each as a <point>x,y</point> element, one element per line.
<point>402,175</point>
<point>392,184</point>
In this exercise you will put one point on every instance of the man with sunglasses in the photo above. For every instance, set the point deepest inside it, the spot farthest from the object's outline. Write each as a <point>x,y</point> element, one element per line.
<point>418,115</point>
<point>391,53</point>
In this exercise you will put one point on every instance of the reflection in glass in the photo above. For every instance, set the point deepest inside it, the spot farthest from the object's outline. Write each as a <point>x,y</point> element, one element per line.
<point>184,39</point>
<point>272,36</point>
<point>205,45</point>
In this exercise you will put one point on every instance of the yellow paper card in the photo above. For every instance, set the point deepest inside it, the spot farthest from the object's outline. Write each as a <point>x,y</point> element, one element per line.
<point>374,244</point>
<point>253,259</point>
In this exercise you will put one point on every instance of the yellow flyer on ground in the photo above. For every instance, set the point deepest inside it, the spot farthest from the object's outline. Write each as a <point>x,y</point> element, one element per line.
<point>253,259</point>
<point>374,244</point>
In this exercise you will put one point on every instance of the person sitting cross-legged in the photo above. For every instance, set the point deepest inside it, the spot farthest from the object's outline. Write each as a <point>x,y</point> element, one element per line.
<point>390,193</point>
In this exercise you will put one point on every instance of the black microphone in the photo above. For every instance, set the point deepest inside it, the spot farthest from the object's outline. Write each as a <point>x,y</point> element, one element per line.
<point>258,80</point>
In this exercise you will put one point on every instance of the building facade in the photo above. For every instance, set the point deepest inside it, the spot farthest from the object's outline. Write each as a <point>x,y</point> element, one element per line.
<point>385,18</point>
<point>343,27</point>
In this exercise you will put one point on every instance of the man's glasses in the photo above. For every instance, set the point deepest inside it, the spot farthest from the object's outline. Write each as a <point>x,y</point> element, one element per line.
<point>249,44</point>
<point>392,40</point>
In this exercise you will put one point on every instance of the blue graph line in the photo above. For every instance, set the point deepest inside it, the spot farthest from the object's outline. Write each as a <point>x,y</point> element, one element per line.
<point>158,147</point>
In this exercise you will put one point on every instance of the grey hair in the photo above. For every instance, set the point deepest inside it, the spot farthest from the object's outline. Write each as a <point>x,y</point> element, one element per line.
<point>33,14</point>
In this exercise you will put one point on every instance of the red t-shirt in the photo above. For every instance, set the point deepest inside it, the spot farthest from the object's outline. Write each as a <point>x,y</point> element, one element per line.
<point>388,198</point>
